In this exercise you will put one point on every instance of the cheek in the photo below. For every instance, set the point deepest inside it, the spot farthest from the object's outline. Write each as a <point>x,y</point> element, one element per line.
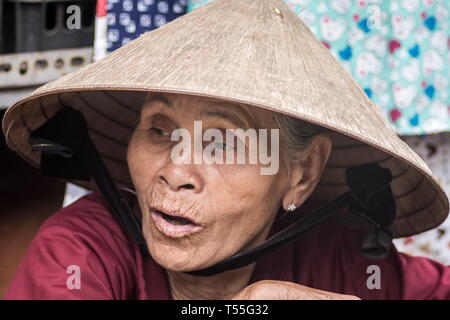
<point>142,161</point>
<point>246,210</point>
<point>244,199</point>
<point>246,184</point>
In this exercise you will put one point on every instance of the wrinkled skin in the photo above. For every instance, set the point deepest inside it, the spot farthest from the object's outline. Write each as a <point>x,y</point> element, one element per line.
<point>233,204</point>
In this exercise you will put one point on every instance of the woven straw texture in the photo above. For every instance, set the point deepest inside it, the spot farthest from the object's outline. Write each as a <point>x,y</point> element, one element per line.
<point>255,52</point>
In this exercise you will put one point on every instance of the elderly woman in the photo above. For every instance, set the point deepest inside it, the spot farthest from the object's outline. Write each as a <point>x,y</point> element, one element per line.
<point>176,117</point>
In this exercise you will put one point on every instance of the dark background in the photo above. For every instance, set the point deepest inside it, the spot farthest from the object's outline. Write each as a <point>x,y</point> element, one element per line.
<point>26,200</point>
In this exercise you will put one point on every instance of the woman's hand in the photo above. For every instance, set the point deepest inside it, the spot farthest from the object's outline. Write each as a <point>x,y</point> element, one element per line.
<point>283,290</point>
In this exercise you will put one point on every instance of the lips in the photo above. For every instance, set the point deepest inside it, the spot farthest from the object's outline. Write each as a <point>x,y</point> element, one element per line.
<point>172,224</point>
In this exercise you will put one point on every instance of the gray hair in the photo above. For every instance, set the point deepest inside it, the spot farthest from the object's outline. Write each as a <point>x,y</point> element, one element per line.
<point>296,136</point>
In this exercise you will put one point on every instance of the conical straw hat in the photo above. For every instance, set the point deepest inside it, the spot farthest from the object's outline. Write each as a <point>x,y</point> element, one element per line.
<point>255,52</point>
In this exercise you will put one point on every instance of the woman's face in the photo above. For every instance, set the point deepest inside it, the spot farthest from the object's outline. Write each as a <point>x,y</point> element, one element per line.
<point>229,207</point>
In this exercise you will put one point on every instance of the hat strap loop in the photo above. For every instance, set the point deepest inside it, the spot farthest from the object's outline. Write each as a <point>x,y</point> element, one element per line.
<point>69,153</point>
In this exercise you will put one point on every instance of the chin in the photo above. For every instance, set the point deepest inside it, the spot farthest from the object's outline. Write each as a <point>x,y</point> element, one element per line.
<point>178,265</point>
<point>173,258</point>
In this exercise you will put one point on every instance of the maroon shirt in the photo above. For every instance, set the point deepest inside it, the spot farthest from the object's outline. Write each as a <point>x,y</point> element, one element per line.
<point>86,234</point>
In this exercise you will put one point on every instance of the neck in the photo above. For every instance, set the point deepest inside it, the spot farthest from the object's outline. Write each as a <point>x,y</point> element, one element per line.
<point>222,286</point>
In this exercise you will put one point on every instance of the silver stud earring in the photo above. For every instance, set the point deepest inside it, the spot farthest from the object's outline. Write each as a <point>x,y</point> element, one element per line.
<point>291,207</point>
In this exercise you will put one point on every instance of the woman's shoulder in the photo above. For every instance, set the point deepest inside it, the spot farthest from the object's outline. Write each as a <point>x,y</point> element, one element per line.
<point>91,212</point>
<point>87,219</point>
<point>329,258</point>
<point>81,239</point>
<point>89,223</point>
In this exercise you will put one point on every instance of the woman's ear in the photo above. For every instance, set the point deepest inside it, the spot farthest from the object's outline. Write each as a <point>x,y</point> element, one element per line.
<point>306,174</point>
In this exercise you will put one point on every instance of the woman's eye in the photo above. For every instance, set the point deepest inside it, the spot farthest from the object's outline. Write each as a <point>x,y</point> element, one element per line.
<point>223,146</point>
<point>159,132</point>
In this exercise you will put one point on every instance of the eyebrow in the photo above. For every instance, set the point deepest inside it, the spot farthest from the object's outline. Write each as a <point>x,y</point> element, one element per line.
<point>223,115</point>
<point>159,98</point>
<point>236,120</point>
<point>232,117</point>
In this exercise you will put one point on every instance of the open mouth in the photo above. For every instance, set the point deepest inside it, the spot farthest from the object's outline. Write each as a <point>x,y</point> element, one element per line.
<point>173,226</point>
<point>178,221</point>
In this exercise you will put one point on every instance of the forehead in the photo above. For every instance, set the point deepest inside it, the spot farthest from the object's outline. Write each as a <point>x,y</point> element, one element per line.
<point>206,106</point>
<point>173,100</point>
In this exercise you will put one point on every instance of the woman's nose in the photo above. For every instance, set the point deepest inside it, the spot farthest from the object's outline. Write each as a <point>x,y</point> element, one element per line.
<point>180,177</point>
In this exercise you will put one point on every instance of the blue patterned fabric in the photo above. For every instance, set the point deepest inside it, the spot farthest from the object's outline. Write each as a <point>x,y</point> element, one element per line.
<point>127,19</point>
<point>396,50</point>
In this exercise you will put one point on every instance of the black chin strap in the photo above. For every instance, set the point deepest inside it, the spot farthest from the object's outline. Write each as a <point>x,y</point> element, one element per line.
<point>370,197</point>
<point>69,153</point>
